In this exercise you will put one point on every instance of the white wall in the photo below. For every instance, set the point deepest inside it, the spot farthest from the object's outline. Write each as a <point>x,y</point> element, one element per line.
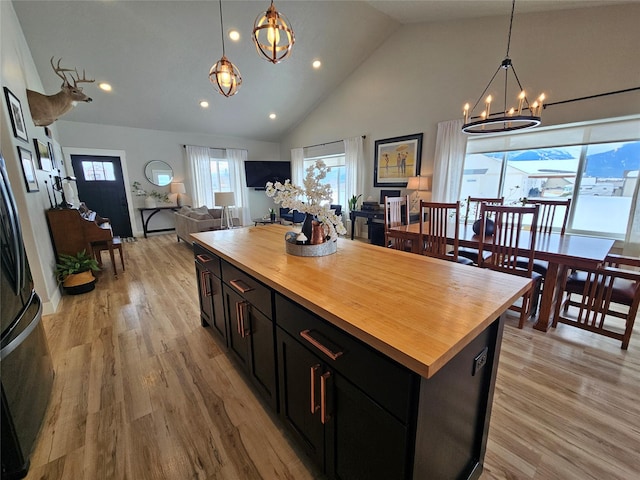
<point>424,73</point>
<point>18,73</point>
<point>141,145</point>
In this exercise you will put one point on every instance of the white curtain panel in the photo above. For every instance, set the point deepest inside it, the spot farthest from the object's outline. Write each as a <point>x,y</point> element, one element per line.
<point>200,182</point>
<point>297,166</point>
<point>451,145</point>
<point>236,158</point>
<point>353,158</point>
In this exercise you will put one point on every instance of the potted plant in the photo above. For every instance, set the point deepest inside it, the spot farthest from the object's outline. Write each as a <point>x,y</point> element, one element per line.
<point>151,197</point>
<point>353,202</point>
<point>75,272</point>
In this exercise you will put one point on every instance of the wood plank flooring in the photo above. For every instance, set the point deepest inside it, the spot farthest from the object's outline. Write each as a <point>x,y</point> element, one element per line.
<point>142,391</point>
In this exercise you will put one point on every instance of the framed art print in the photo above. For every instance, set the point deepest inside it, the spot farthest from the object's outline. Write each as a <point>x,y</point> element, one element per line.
<point>397,159</point>
<point>44,155</point>
<point>17,117</point>
<point>28,169</point>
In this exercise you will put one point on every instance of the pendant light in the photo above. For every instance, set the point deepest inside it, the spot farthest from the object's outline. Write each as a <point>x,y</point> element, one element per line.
<point>224,75</point>
<point>508,119</point>
<point>273,35</point>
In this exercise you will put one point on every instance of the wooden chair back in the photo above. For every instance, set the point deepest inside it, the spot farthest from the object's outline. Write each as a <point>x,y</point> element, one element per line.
<point>472,210</point>
<point>439,229</point>
<point>506,249</point>
<point>505,244</point>
<point>615,283</point>
<point>548,210</point>
<point>396,213</point>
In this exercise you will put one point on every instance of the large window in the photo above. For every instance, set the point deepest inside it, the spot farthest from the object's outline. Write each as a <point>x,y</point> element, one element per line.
<point>601,178</point>
<point>336,177</point>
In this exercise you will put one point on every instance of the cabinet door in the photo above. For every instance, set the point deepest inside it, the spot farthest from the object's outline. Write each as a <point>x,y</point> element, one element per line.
<point>299,372</point>
<point>262,353</point>
<point>363,441</point>
<point>204,294</point>
<point>211,301</point>
<point>237,338</point>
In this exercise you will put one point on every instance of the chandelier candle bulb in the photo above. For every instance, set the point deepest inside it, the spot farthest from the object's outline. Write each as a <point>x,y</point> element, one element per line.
<point>521,98</point>
<point>488,106</point>
<point>466,113</point>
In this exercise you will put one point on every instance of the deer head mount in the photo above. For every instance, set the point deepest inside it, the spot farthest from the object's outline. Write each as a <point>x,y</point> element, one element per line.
<point>46,109</point>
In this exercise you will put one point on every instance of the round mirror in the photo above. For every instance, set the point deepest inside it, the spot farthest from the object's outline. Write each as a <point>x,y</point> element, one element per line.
<point>158,172</point>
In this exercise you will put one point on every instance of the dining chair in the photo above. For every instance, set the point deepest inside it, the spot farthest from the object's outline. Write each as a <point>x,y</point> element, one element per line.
<point>610,290</point>
<point>396,213</point>
<point>509,243</point>
<point>547,214</point>
<point>471,215</point>
<point>546,220</point>
<point>439,224</point>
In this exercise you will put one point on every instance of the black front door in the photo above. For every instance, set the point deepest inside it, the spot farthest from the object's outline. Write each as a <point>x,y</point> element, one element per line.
<point>101,187</point>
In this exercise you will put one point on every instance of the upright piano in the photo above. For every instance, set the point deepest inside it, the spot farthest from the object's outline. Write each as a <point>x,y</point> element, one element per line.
<point>73,230</point>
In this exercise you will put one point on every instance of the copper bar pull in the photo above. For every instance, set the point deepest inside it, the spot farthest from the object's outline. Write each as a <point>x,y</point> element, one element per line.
<point>241,310</point>
<point>238,314</point>
<point>307,336</point>
<point>203,258</point>
<point>241,286</point>
<point>314,406</point>
<point>324,416</point>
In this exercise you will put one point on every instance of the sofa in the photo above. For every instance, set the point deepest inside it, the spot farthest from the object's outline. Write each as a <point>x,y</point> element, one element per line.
<point>202,219</point>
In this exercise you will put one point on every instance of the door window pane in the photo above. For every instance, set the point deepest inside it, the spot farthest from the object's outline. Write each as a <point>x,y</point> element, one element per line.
<point>98,171</point>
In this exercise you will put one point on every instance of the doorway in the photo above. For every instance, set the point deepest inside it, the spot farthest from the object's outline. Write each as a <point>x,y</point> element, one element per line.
<point>100,185</point>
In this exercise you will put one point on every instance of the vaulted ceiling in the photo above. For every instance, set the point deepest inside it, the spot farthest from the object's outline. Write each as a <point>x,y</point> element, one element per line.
<point>157,55</point>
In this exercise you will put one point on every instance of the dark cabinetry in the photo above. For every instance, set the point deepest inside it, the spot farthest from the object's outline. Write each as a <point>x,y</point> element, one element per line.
<point>348,405</point>
<point>210,291</point>
<point>250,332</point>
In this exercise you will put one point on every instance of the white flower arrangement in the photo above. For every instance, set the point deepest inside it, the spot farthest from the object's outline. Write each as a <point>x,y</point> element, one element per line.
<point>314,199</point>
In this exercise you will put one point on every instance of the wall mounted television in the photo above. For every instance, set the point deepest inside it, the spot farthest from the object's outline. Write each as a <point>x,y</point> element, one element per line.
<point>258,173</point>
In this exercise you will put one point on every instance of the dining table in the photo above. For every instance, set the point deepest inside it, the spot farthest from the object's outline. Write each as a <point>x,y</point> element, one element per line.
<point>561,252</point>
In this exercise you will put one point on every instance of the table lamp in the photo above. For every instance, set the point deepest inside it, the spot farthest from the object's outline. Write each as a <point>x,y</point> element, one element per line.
<point>418,184</point>
<point>225,200</point>
<point>178,188</point>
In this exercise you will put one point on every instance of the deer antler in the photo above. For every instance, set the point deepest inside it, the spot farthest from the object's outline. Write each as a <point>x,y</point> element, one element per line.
<point>78,80</point>
<point>60,71</point>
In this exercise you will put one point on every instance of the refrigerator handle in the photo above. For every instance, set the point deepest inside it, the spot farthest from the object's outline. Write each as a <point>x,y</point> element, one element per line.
<point>15,343</point>
<point>15,228</point>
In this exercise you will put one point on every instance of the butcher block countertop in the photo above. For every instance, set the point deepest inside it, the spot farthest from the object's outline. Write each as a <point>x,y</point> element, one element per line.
<point>417,310</point>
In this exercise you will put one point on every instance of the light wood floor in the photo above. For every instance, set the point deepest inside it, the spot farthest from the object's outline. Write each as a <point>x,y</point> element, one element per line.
<point>142,391</point>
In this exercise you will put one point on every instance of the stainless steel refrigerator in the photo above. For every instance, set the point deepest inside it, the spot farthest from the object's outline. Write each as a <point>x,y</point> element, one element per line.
<point>26,372</point>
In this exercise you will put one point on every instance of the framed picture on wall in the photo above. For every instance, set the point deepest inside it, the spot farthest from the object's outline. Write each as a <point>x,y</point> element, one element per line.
<point>397,159</point>
<point>17,118</point>
<point>44,155</point>
<point>28,169</point>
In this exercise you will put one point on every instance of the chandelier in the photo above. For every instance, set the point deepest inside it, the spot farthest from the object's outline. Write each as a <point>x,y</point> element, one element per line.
<point>273,35</point>
<point>508,119</point>
<point>224,75</point>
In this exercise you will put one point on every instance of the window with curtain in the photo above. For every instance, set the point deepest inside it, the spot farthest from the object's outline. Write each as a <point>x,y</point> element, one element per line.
<point>600,176</point>
<point>336,177</point>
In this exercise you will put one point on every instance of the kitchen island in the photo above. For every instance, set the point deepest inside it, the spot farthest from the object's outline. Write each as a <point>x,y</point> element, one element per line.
<point>381,363</point>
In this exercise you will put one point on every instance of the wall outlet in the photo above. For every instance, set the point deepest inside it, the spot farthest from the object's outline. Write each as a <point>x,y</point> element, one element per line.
<point>480,360</point>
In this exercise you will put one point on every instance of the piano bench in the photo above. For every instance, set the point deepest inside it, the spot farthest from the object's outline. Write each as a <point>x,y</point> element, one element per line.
<point>99,247</point>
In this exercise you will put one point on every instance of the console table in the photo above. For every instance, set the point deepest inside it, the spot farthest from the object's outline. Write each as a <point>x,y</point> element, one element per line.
<point>154,210</point>
<point>372,216</point>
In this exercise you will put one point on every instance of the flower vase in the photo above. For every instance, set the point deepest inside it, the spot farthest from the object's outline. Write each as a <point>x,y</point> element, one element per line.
<point>150,202</point>
<point>307,226</point>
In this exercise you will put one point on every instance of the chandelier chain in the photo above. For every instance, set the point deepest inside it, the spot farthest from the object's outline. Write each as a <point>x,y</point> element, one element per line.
<point>222,28</point>
<point>513,7</point>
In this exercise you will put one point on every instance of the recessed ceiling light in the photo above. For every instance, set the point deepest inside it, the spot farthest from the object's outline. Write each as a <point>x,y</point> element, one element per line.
<point>105,86</point>
<point>272,116</point>
<point>204,104</point>
<point>316,64</point>
<point>234,35</point>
